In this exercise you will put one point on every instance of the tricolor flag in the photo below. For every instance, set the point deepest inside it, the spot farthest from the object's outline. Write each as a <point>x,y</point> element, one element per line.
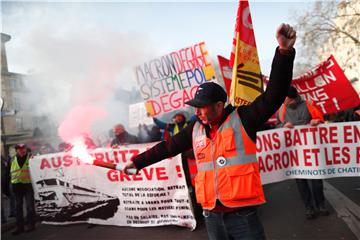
<point>246,82</point>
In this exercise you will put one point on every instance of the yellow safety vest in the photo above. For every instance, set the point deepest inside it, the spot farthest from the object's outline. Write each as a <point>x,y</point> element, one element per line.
<point>20,175</point>
<point>177,129</point>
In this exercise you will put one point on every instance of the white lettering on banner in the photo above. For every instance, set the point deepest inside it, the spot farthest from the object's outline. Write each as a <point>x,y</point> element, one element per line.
<point>330,63</point>
<point>317,95</point>
<point>325,151</point>
<point>321,86</point>
<point>156,196</point>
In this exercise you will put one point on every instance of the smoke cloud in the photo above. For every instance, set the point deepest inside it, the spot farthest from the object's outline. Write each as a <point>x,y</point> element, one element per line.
<point>77,65</point>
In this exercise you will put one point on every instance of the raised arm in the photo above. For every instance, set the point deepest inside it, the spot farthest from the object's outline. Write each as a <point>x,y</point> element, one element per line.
<point>258,112</point>
<point>162,125</point>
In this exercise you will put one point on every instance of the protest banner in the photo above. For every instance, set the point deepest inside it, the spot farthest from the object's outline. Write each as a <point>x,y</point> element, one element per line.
<point>138,115</point>
<point>325,151</point>
<point>246,82</point>
<point>327,87</point>
<point>167,82</point>
<point>69,191</point>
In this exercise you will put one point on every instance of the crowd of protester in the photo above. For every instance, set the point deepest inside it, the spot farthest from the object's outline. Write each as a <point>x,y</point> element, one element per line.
<point>161,131</point>
<point>120,136</point>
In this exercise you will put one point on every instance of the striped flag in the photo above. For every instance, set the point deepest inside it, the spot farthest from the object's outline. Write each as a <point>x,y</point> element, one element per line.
<point>246,82</point>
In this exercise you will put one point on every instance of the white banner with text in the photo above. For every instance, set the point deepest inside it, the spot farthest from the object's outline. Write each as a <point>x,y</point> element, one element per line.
<point>69,191</point>
<point>325,151</point>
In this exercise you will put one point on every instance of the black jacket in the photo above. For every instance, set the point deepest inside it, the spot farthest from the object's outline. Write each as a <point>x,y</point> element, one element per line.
<point>124,138</point>
<point>252,116</point>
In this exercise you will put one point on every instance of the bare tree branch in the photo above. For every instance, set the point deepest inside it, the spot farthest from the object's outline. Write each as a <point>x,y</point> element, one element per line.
<point>329,27</point>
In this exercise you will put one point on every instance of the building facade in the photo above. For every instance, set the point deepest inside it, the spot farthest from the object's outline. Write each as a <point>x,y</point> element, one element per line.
<point>18,123</point>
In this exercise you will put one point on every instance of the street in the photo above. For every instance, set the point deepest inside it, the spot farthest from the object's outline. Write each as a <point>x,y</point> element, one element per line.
<point>282,216</point>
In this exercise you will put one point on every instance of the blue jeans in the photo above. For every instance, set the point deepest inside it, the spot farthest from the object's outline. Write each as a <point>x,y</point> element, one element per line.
<point>243,224</point>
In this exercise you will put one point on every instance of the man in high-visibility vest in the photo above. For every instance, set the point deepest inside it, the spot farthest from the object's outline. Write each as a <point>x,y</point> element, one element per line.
<point>228,184</point>
<point>21,184</point>
<point>296,111</point>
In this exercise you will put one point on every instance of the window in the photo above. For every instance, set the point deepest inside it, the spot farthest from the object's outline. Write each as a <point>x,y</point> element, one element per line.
<point>19,123</point>
<point>17,104</point>
<point>12,84</point>
<point>15,83</point>
<point>48,196</point>
<point>36,121</point>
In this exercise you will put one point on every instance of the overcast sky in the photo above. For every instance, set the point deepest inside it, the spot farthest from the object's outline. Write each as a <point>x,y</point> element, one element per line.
<point>153,28</point>
<point>80,53</point>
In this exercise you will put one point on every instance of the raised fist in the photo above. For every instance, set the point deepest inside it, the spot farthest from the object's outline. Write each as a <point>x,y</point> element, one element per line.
<point>286,36</point>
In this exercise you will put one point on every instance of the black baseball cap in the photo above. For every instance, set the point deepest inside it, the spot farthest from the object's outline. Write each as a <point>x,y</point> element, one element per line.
<point>292,92</point>
<point>207,94</point>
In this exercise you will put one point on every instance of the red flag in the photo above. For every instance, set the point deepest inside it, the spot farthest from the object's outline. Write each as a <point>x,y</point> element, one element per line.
<point>243,26</point>
<point>246,78</point>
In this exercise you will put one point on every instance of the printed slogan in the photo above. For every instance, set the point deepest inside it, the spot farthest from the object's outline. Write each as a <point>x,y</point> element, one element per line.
<point>166,83</point>
<point>328,150</point>
<point>69,191</point>
<point>321,86</point>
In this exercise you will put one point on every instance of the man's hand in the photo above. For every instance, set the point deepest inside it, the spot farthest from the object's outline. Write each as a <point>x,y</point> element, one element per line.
<point>315,122</point>
<point>285,36</point>
<point>288,125</point>
<point>130,169</point>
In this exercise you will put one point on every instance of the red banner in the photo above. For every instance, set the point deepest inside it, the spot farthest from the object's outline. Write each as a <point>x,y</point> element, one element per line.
<point>327,87</point>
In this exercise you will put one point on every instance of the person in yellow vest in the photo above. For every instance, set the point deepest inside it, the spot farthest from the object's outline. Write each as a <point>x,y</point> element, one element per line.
<point>21,184</point>
<point>228,184</point>
<point>170,129</point>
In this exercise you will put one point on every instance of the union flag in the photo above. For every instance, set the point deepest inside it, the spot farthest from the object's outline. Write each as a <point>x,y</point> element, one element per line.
<point>246,82</point>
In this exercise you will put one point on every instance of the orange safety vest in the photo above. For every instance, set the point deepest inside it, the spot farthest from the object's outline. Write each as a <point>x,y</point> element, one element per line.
<point>314,112</point>
<point>227,166</point>
<point>192,169</point>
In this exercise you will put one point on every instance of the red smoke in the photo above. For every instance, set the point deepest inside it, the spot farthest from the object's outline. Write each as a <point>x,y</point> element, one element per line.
<point>79,120</point>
